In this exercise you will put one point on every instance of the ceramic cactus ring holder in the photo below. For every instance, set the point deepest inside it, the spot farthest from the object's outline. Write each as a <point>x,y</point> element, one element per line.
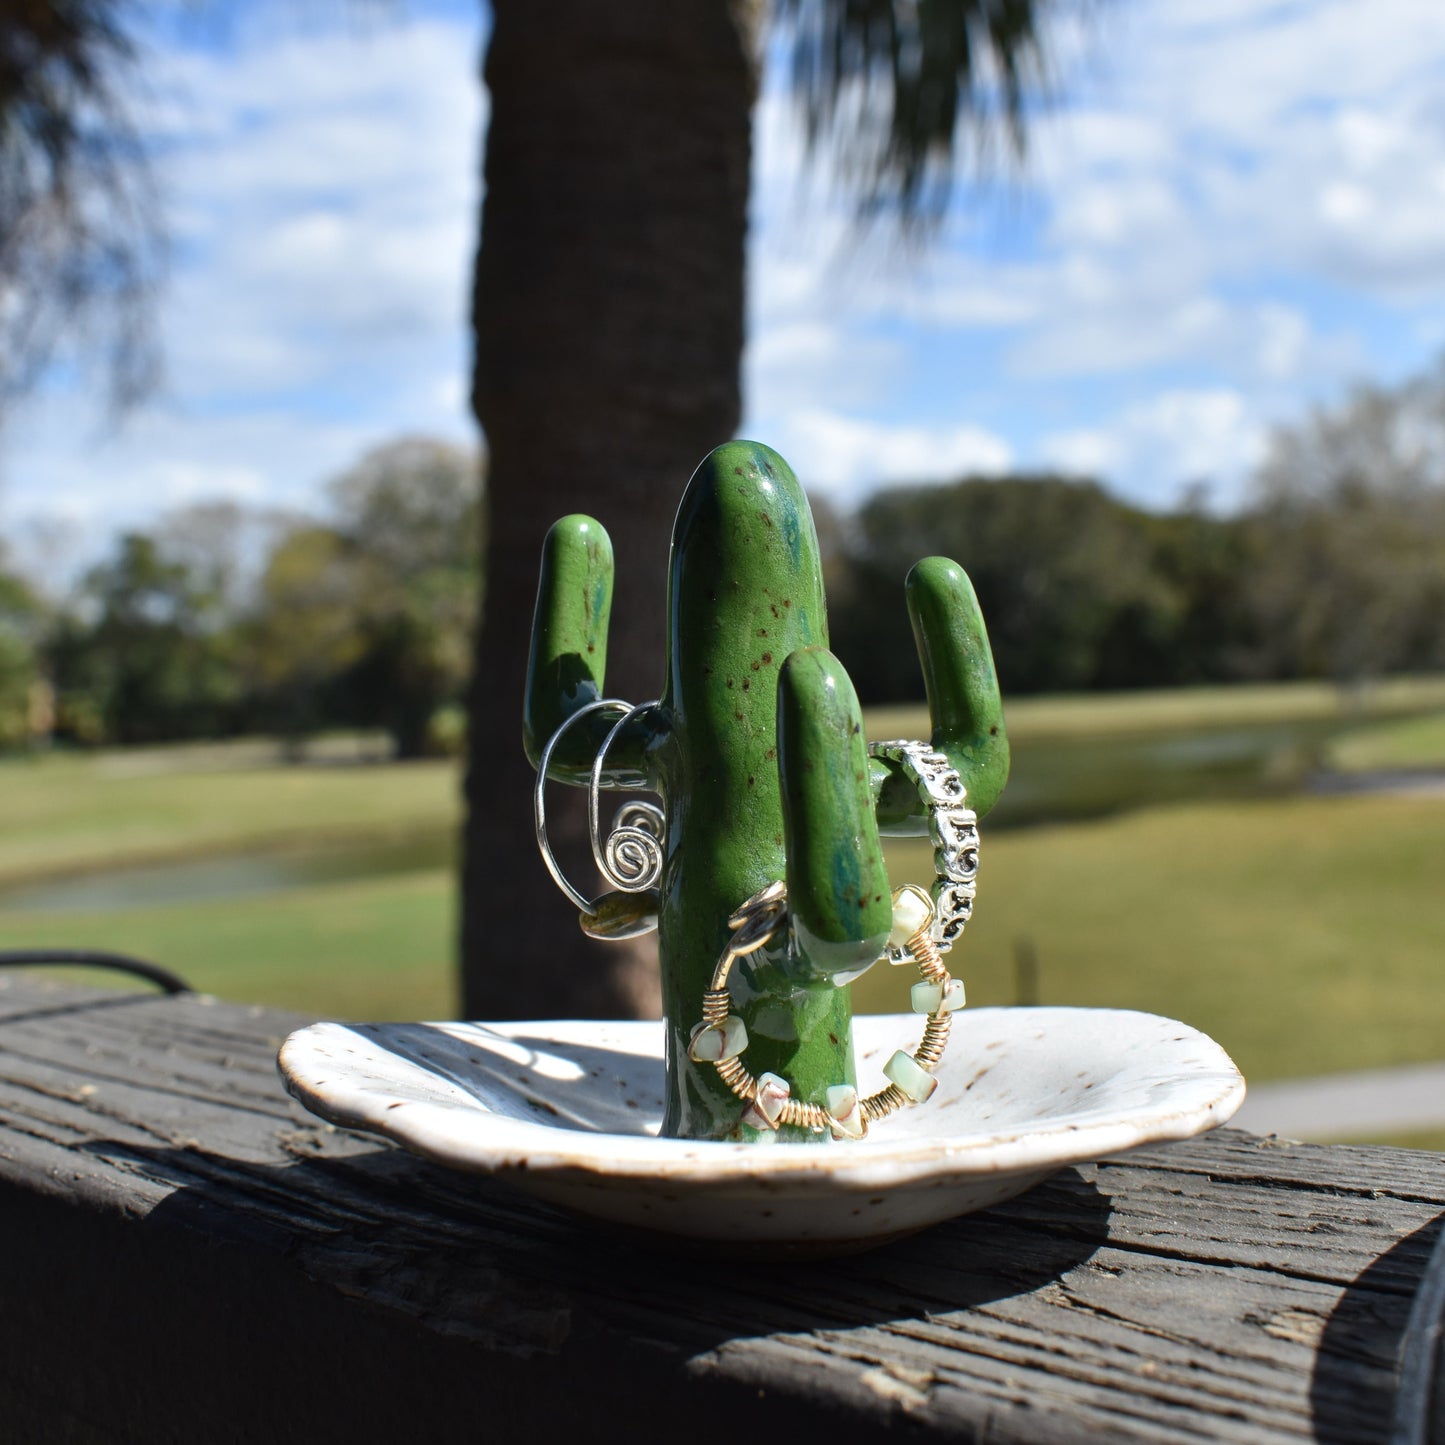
<point>756,751</point>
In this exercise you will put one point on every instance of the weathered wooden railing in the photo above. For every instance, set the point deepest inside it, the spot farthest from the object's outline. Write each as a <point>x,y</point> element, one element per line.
<point>189,1257</point>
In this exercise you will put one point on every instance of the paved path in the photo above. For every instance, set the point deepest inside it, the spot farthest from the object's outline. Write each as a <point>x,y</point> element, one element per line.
<point>1348,1106</point>
<point>1382,783</point>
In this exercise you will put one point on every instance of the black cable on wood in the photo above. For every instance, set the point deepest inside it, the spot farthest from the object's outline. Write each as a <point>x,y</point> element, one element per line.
<point>163,978</point>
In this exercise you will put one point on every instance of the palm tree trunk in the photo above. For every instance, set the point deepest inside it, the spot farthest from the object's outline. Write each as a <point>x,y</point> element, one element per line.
<point>609,324</point>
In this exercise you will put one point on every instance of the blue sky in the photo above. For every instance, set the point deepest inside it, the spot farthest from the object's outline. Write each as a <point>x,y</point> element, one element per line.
<point>1235,211</point>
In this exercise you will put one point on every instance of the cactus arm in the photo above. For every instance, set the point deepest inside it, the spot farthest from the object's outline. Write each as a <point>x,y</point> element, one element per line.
<point>568,661</point>
<point>838,894</point>
<point>963,696</point>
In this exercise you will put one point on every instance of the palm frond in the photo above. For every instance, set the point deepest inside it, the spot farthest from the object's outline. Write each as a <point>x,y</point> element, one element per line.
<point>894,86</point>
<point>79,249</point>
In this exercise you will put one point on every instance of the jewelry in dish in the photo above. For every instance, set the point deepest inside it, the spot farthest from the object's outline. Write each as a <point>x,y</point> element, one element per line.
<point>721,1037</point>
<point>570,1112</point>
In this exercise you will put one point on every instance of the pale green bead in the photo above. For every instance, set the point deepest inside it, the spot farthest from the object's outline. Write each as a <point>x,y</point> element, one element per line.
<point>925,997</point>
<point>767,1108</point>
<point>912,909</point>
<point>929,998</point>
<point>841,1102</point>
<point>712,1043</point>
<point>705,1044</point>
<point>910,1076</point>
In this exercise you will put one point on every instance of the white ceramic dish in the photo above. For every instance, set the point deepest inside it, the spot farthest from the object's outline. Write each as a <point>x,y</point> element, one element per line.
<point>569,1111</point>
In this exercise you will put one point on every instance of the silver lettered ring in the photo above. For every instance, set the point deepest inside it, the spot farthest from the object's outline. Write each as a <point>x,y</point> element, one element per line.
<point>953,827</point>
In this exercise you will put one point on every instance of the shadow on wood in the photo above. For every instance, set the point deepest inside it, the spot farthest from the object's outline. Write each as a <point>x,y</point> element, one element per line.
<point>1352,1393</point>
<point>407,1232</point>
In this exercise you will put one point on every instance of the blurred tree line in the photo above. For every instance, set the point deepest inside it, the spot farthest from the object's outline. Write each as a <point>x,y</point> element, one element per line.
<point>1080,590</point>
<point>226,621</point>
<point>1335,569</point>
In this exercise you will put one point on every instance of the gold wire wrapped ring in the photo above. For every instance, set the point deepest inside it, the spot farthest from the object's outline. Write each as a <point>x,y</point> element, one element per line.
<point>721,1037</point>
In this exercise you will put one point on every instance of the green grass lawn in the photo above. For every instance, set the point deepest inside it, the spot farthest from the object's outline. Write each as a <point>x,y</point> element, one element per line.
<point>374,949</point>
<point>72,814</point>
<point>1433,1139</point>
<point>1412,742</point>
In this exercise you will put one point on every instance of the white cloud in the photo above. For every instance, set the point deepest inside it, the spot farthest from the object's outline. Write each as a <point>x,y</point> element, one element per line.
<point>165,459</point>
<point>1240,205</point>
<point>848,456</point>
<point>1301,138</point>
<point>322,191</point>
<point>793,344</point>
<point>1282,340</point>
<point>795,364</point>
<point>1237,198</point>
<point>1175,439</point>
<point>331,203</point>
<point>1268,340</point>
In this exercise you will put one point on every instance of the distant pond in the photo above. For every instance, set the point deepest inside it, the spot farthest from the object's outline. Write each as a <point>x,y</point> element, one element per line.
<point>205,879</point>
<point>1064,779</point>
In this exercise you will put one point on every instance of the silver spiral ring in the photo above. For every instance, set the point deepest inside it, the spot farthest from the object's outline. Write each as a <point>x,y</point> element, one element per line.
<point>631,858</point>
<point>539,798</point>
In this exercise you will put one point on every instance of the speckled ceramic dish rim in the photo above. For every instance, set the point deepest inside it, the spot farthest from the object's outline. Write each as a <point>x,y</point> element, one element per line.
<point>490,1142</point>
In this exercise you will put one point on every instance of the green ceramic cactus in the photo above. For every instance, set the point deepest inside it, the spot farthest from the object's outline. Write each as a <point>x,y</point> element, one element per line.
<point>757,751</point>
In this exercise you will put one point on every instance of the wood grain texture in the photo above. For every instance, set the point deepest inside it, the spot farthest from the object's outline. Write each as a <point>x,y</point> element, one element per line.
<point>191,1257</point>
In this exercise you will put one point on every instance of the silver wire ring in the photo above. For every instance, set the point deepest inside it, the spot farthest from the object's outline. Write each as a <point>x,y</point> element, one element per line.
<point>539,800</point>
<point>632,855</point>
<point>631,859</point>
